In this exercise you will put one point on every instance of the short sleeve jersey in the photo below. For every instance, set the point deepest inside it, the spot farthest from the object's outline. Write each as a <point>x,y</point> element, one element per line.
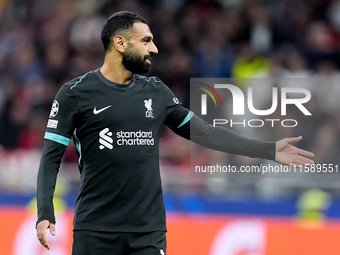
<point>116,129</point>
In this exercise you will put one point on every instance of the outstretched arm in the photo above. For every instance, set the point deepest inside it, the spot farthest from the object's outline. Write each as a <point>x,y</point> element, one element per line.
<point>288,154</point>
<point>186,124</point>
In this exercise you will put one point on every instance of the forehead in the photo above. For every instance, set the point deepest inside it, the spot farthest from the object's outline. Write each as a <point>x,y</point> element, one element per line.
<point>141,30</point>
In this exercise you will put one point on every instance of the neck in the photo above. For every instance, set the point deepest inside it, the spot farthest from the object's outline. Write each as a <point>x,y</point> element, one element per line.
<point>114,71</point>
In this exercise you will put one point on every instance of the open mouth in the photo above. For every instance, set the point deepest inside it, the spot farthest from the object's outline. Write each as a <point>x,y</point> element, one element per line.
<point>148,58</point>
<point>148,61</point>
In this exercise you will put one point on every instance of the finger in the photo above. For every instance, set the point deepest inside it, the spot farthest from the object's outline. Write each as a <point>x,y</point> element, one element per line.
<point>303,161</point>
<point>294,139</point>
<point>43,240</point>
<point>52,229</point>
<point>306,153</point>
<point>306,160</point>
<point>44,243</point>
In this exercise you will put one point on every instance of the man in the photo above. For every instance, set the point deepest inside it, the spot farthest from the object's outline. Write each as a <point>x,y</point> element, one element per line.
<point>115,116</point>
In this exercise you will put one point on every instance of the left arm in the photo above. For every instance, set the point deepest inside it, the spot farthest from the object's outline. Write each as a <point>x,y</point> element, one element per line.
<point>186,124</point>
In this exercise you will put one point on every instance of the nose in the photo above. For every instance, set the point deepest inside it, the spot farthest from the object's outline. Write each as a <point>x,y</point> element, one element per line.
<point>153,49</point>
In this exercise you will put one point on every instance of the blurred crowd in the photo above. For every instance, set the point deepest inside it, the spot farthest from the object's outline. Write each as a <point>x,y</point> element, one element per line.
<point>43,44</point>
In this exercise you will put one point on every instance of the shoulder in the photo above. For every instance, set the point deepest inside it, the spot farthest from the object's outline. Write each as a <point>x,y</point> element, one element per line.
<point>70,89</point>
<point>79,81</point>
<point>76,85</point>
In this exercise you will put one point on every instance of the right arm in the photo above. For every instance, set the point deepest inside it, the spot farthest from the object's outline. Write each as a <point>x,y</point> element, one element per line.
<point>59,130</point>
<point>47,176</point>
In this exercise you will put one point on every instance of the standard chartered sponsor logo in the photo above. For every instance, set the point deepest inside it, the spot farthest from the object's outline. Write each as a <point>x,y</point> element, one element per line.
<point>105,139</point>
<point>135,138</point>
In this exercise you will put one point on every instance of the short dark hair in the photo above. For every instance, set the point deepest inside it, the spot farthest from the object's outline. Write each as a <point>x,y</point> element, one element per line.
<point>118,22</point>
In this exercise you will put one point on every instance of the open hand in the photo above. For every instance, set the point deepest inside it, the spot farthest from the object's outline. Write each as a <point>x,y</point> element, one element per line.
<point>288,154</point>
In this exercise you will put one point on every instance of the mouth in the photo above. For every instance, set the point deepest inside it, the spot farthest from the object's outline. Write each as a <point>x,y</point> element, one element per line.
<point>148,61</point>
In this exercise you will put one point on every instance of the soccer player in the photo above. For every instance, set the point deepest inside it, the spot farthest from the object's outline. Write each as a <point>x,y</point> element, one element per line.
<point>115,115</point>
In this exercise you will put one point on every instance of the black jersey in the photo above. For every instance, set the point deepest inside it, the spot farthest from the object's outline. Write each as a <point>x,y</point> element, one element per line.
<point>116,129</point>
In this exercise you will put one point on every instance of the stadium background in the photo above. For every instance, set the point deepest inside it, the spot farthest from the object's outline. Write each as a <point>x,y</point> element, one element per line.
<point>45,43</point>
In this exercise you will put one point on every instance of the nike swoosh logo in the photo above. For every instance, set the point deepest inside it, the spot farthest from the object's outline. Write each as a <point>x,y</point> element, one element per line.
<point>95,111</point>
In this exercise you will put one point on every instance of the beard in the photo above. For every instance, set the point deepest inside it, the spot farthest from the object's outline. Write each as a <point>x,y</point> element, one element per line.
<point>136,63</point>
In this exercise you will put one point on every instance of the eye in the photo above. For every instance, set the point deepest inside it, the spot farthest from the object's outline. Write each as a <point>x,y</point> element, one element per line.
<point>146,40</point>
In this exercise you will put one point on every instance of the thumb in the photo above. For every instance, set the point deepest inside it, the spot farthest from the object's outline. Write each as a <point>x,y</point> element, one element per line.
<point>52,229</point>
<point>294,139</point>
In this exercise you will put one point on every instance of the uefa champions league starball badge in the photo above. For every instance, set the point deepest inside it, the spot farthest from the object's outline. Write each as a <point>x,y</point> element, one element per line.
<point>55,109</point>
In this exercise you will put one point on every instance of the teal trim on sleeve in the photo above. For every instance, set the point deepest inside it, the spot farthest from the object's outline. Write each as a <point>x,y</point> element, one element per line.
<point>57,138</point>
<point>78,146</point>
<point>187,118</point>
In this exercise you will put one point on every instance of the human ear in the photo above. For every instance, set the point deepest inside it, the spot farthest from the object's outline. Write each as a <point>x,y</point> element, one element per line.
<point>120,43</point>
